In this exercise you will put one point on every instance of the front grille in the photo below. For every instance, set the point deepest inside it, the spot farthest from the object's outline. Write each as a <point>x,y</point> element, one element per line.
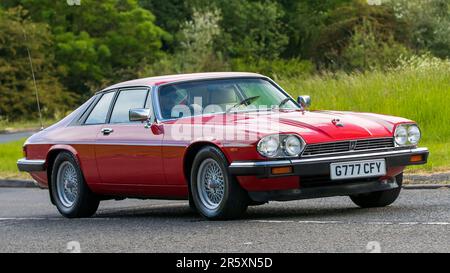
<point>348,146</point>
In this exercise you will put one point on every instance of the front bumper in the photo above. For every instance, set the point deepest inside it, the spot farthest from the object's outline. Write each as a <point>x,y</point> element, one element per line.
<point>320,166</point>
<point>30,165</point>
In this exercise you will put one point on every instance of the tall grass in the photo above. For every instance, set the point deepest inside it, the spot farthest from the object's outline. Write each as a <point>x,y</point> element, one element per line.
<point>418,90</point>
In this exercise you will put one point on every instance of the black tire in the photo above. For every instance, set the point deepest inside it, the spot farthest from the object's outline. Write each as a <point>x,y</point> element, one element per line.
<point>192,206</point>
<point>85,203</point>
<point>235,199</point>
<point>379,198</point>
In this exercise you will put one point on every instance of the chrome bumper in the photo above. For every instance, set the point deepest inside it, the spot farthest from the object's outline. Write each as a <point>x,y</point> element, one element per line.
<point>30,165</point>
<point>321,165</point>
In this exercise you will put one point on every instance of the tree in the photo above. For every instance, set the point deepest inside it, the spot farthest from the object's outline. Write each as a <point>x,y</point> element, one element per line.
<point>17,93</point>
<point>428,24</point>
<point>251,29</point>
<point>304,21</point>
<point>340,25</point>
<point>367,51</point>
<point>98,42</point>
<point>170,14</point>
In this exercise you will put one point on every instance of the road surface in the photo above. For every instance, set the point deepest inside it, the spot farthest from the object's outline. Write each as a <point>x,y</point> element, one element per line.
<point>418,222</point>
<point>8,137</point>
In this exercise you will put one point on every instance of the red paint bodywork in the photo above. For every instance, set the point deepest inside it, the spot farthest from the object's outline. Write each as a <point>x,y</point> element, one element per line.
<point>135,161</point>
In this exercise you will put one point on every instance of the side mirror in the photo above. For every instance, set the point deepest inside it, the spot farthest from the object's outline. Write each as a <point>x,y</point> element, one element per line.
<point>304,101</point>
<point>139,114</point>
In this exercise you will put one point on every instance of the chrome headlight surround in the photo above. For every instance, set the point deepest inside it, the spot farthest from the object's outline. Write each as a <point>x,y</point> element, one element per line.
<point>407,135</point>
<point>281,146</point>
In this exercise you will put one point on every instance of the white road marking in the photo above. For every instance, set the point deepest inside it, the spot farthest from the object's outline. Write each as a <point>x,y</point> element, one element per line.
<point>438,223</point>
<point>349,223</point>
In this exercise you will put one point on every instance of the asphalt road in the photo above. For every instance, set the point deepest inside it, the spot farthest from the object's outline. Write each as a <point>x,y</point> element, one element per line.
<point>14,136</point>
<point>418,222</point>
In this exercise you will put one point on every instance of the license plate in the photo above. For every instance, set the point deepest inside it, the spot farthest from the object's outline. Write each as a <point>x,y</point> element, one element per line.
<point>356,169</point>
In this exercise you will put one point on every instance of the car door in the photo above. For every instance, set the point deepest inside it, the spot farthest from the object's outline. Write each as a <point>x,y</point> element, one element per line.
<point>127,153</point>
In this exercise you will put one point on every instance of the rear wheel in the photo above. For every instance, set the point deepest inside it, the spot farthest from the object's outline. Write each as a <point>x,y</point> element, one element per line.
<point>72,196</point>
<point>216,194</point>
<point>379,198</point>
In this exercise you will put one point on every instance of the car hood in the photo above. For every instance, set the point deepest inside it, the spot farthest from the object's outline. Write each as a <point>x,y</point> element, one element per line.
<point>316,126</point>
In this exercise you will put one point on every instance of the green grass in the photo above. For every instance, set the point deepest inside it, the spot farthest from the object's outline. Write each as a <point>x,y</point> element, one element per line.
<point>419,93</point>
<point>9,153</point>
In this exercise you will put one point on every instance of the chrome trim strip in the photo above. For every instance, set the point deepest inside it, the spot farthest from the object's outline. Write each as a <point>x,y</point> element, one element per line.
<point>250,164</point>
<point>247,164</point>
<point>29,165</point>
<point>236,145</point>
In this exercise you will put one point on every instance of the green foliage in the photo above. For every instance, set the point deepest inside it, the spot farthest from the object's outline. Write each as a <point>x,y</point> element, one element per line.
<point>428,24</point>
<point>170,15</point>
<point>195,52</point>
<point>82,48</point>
<point>98,42</point>
<point>304,21</point>
<point>252,29</point>
<point>341,23</point>
<point>367,51</point>
<point>17,95</point>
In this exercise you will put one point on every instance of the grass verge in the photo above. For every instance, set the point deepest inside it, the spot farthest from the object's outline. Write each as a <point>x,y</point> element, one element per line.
<point>9,153</point>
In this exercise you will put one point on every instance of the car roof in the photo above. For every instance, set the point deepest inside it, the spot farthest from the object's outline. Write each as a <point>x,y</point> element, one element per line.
<point>152,81</point>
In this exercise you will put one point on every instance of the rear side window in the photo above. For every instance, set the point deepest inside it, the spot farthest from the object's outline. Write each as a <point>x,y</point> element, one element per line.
<point>127,99</point>
<point>100,111</point>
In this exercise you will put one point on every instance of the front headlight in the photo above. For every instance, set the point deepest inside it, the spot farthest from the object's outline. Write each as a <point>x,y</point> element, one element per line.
<point>414,134</point>
<point>268,146</point>
<point>407,134</point>
<point>278,146</point>
<point>292,145</point>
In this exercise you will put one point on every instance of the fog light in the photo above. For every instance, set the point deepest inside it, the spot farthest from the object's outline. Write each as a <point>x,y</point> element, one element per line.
<point>281,170</point>
<point>416,158</point>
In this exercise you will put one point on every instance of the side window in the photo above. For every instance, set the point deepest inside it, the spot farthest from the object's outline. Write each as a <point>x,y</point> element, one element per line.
<point>100,111</point>
<point>170,97</point>
<point>127,100</point>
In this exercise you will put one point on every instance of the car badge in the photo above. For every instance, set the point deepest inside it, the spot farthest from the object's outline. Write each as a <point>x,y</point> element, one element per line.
<point>352,145</point>
<point>337,122</point>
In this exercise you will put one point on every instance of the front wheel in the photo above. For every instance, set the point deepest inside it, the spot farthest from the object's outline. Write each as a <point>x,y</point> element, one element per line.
<point>378,198</point>
<point>72,196</point>
<point>216,194</point>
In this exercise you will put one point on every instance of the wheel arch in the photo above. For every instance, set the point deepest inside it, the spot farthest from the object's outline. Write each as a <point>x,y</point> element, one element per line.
<point>53,152</point>
<point>191,152</point>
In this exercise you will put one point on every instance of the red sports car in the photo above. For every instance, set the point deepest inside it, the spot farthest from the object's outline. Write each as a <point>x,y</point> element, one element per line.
<point>224,141</point>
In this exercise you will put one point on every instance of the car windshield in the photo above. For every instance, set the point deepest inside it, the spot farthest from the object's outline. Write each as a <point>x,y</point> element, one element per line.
<point>219,96</point>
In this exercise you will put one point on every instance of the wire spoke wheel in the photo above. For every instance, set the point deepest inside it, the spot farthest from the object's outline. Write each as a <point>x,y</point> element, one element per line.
<point>67,184</point>
<point>210,184</point>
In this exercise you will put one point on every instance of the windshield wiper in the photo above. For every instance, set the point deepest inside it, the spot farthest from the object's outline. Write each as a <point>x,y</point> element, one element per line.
<point>283,102</point>
<point>246,101</point>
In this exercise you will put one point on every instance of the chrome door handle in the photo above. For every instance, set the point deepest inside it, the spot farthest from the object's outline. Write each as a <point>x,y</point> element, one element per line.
<point>107,131</point>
